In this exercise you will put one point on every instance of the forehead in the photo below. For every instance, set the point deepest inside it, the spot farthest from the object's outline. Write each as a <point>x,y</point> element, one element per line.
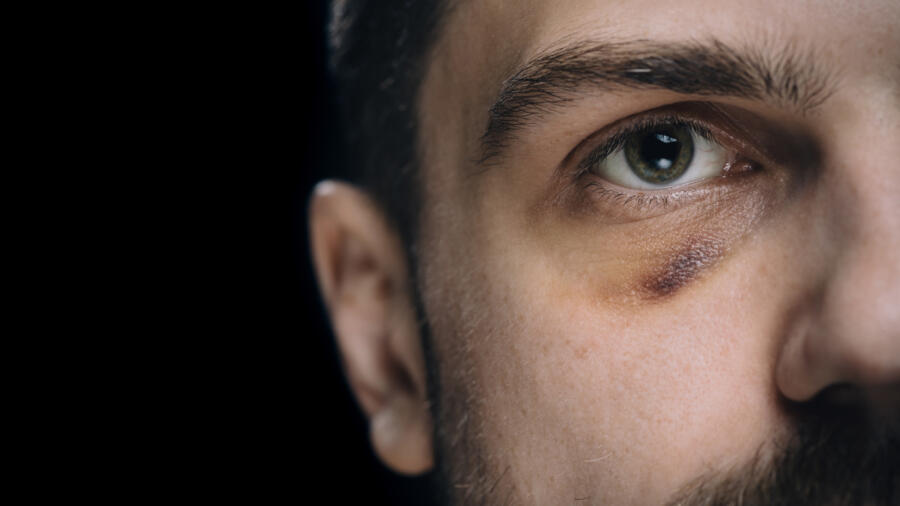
<point>493,35</point>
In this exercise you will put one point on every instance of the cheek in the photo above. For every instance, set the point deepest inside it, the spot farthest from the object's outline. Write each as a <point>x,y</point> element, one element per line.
<point>587,356</point>
<point>599,397</point>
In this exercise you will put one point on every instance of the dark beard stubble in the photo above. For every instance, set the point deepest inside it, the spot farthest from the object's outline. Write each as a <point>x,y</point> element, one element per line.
<point>841,453</point>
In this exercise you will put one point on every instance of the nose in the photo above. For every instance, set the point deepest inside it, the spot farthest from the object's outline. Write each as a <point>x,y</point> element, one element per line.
<point>848,332</point>
<point>849,335</point>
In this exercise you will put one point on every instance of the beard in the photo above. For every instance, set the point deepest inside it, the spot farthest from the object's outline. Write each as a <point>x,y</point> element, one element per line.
<point>840,453</point>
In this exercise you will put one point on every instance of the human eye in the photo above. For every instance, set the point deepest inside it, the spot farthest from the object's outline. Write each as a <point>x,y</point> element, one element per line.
<point>657,159</point>
<point>660,154</point>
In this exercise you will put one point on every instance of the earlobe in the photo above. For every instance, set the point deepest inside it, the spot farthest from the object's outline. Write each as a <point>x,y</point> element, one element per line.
<point>401,435</point>
<point>362,274</point>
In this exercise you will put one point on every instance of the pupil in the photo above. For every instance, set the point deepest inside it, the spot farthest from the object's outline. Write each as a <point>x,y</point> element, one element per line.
<point>659,150</point>
<point>660,155</point>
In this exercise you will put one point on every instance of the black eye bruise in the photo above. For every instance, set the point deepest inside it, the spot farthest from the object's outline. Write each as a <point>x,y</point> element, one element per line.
<point>682,268</point>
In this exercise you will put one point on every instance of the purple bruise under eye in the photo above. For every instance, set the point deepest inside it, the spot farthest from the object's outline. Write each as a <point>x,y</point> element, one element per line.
<point>684,267</point>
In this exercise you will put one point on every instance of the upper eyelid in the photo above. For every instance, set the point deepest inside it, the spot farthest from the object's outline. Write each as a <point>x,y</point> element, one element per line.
<point>723,128</point>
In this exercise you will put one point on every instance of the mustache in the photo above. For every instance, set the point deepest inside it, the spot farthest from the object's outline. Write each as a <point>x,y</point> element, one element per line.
<point>841,452</point>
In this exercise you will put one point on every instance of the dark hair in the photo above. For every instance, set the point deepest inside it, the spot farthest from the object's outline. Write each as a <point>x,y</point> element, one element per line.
<point>379,54</point>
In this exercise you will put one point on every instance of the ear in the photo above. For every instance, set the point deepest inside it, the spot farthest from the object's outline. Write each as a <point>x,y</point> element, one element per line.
<point>362,272</point>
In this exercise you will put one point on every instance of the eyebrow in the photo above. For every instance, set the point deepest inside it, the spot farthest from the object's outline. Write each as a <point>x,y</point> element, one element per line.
<point>558,77</point>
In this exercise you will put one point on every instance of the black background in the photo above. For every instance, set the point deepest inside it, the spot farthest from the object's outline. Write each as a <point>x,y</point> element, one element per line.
<point>206,367</point>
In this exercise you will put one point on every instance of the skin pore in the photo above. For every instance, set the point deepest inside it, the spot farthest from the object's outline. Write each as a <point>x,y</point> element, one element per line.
<point>597,342</point>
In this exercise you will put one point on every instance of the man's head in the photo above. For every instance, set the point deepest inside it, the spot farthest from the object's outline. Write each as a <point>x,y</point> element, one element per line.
<point>655,248</point>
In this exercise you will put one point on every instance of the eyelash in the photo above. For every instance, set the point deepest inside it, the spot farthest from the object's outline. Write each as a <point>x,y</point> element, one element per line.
<point>642,200</point>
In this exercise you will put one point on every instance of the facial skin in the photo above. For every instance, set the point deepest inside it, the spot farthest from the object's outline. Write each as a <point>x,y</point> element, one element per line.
<point>596,349</point>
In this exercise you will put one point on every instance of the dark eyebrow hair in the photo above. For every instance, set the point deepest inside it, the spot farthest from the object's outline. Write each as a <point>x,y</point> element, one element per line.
<point>560,76</point>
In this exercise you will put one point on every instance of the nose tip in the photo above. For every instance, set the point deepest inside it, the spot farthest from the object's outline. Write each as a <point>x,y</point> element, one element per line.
<point>852,335</point>
<point>810,363</point>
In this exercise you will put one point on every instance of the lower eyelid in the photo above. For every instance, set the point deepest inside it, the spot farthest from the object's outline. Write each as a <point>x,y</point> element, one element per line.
<point>620,205</point>
<point>631,205</point>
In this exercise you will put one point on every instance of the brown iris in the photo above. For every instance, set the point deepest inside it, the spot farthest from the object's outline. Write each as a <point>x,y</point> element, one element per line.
<point>660,155</point>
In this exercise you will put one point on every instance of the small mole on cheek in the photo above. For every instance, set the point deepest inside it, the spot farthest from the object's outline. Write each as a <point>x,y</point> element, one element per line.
<point>682,268</point>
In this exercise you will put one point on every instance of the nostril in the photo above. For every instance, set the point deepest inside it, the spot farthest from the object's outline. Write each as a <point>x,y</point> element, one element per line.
<point>843,395</point>
<point>873,406</point>
<point>847,398</point>
<point>877,406</point>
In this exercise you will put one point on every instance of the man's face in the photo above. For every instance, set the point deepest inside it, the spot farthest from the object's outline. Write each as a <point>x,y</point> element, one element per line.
<point>604,335</point>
